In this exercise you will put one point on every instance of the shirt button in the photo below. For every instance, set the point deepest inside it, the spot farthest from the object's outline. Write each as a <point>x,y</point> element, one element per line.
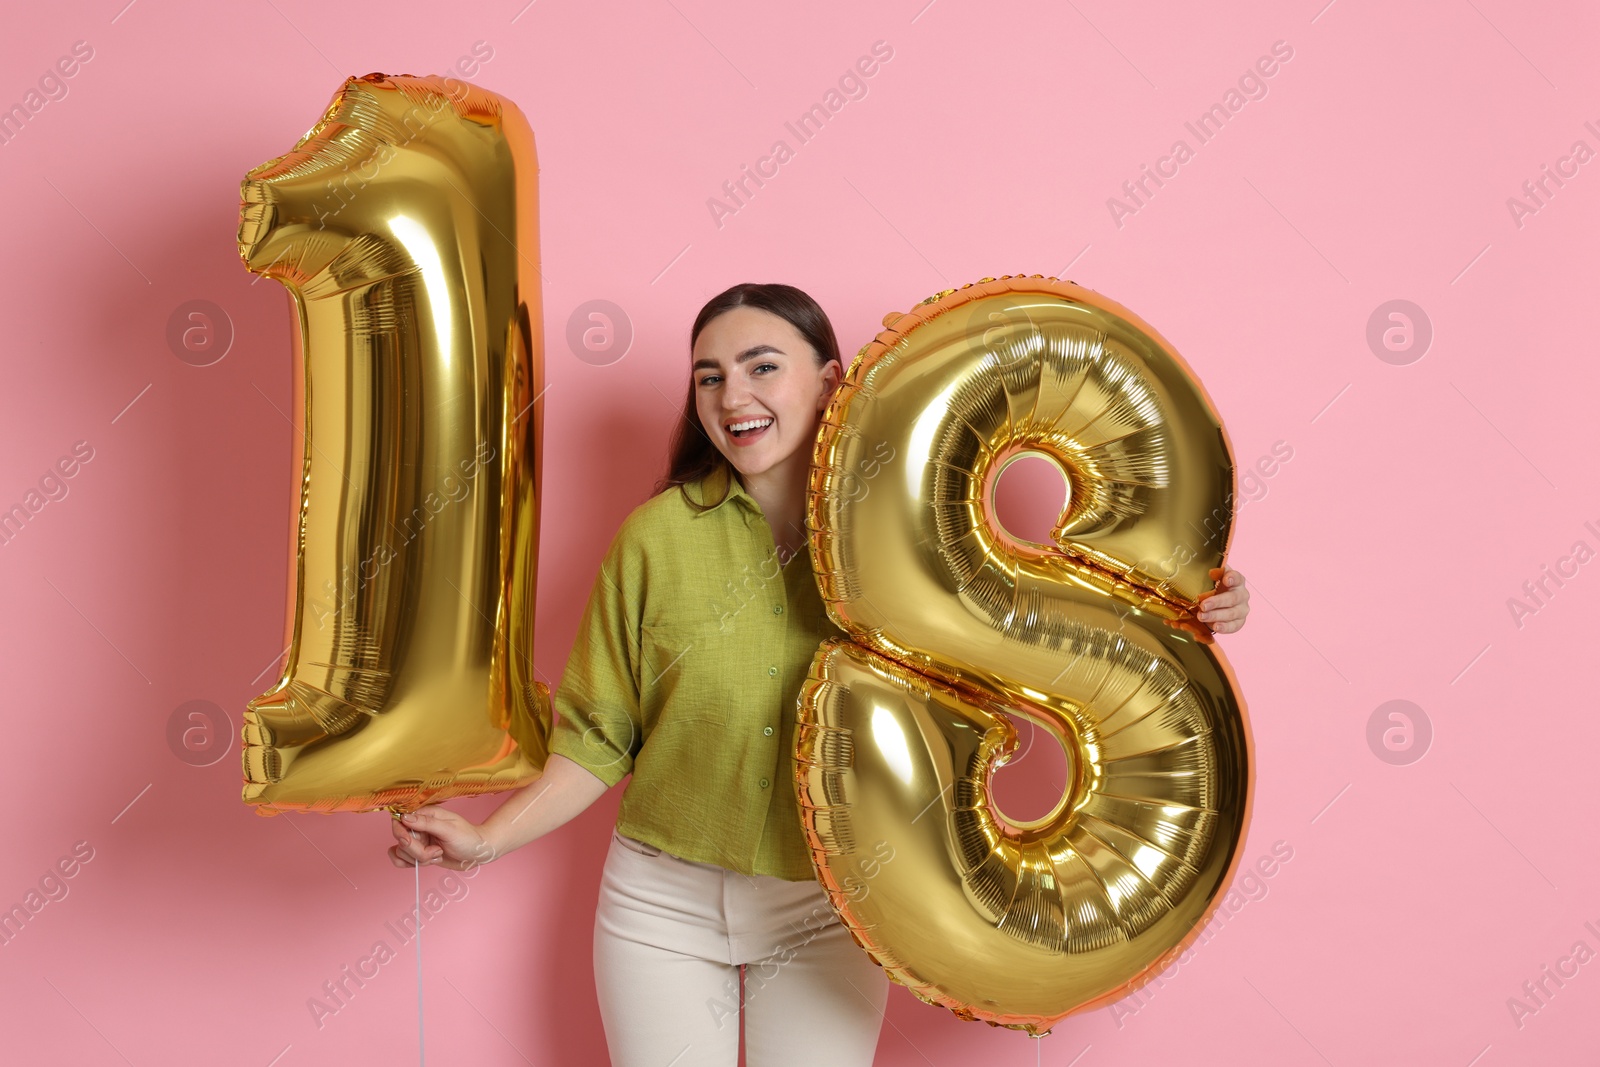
<point>777,609</point>
<point>773,671</point>
<point>764,783</point>
<point>767,730</point>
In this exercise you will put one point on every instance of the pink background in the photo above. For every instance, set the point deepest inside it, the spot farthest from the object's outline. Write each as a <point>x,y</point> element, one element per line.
<point>1418,499</point>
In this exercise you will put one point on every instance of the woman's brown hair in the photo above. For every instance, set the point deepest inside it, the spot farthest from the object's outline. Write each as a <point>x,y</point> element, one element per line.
<point>692,455</point>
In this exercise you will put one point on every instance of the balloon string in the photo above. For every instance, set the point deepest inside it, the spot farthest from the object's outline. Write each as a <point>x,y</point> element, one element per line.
<point>421,1051</point>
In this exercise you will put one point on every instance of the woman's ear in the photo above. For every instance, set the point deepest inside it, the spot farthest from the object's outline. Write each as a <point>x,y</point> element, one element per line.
<point>831,377</point>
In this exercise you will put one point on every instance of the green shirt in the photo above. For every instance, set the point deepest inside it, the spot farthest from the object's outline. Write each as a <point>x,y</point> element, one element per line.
<point>685,672</point>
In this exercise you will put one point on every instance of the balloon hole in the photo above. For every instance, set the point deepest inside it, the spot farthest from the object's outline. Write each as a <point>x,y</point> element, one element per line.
<point>1030,494</point>
<point>1028,788</point>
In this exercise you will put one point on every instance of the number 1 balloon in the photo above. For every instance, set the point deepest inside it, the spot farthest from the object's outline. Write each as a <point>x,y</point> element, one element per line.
<point>404,226</point>
<point>953,623</point>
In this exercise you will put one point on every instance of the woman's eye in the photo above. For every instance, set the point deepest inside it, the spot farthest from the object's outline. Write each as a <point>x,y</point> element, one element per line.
<point>774,366</point>
<point>709,379</point>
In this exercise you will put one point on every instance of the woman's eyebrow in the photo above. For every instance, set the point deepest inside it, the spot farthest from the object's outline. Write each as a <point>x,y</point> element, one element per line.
<point>748,354</point>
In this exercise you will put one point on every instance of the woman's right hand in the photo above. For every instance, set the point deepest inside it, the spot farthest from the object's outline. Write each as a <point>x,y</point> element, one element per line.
<point>436,835</point>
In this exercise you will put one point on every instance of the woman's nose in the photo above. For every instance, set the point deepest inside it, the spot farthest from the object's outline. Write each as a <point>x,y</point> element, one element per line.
<point>735,394</point>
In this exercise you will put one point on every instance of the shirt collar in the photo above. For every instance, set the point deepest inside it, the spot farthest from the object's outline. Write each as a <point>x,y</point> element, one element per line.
<point>721,483</point>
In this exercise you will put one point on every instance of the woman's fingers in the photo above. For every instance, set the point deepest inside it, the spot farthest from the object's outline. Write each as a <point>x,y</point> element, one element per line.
<point>429,836</point>
<point>414,853</point>
<point>1225,609</point>
<point>413,846</point>
<point>403,836</point>
<point>1226,577</point>
<point>442,823</point>
<point>437,835</point>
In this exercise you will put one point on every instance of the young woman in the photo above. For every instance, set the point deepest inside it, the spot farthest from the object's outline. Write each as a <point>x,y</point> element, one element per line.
<point>684,673</point>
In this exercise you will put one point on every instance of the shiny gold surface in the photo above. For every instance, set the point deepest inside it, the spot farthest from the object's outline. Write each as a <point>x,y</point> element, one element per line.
<point>954,622</point>
<point>404,226</point>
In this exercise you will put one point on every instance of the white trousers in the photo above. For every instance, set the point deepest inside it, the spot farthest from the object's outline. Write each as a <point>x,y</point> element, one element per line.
<point>671,939</point>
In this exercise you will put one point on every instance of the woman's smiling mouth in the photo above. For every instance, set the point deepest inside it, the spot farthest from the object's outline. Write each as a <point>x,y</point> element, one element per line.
<point>744,431</point>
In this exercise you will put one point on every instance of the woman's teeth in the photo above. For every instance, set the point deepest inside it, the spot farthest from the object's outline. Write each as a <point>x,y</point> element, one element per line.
<point>740,429</point>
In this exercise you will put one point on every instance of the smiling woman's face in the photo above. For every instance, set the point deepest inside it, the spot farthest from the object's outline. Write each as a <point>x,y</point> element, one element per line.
<point>754,369</point>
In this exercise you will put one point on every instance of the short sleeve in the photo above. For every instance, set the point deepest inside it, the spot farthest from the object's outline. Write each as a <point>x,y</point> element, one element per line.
<point>598,720</point>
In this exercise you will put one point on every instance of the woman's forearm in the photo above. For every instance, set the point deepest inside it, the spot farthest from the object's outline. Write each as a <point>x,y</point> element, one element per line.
<point>564,791</point>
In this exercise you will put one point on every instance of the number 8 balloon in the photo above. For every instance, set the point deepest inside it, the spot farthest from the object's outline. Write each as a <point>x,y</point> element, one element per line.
<point>404,227</point>
<point>953,622</point>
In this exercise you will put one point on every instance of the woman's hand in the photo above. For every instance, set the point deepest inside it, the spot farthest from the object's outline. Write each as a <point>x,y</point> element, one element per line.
<point>1224,609</point>
<point>436,835</point>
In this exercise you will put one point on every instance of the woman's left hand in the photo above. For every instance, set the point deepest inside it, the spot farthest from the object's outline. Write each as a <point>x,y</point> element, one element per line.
<point>1224,609</point>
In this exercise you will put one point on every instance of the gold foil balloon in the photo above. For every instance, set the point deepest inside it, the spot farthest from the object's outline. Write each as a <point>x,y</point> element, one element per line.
<point>955,622</point>
<point>404,226</point>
